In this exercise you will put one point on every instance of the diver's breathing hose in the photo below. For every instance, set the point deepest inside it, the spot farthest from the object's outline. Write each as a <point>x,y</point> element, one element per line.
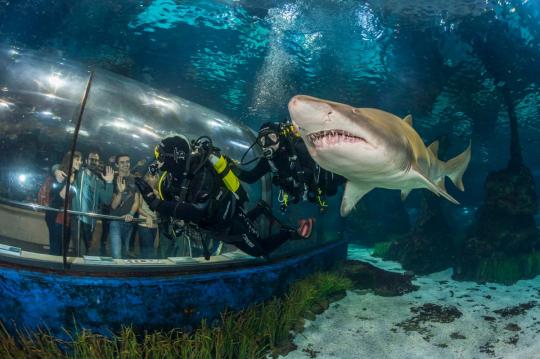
<point>206,154</point>
<point>245,153</point>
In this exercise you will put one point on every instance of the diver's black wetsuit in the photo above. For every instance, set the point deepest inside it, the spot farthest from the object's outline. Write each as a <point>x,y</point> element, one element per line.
<point>290,174</point>
<point>212,207</point>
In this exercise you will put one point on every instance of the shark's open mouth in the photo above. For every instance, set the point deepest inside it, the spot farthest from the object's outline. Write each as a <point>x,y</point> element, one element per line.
<point>333,137</point>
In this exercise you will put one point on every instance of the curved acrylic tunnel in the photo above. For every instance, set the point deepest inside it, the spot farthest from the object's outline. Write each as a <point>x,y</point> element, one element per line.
<point>40,102</point>
<point>42,118</point>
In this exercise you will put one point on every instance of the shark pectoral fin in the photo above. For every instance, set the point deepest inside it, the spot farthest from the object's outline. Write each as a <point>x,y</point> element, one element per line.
<point>404,194</point>
<point>408,119</point>
<point>353,193</point>
<point>439,190</point>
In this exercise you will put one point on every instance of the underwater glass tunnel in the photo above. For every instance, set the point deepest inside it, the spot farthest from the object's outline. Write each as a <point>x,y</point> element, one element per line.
<point>85,85</point>
<point>53,108</point>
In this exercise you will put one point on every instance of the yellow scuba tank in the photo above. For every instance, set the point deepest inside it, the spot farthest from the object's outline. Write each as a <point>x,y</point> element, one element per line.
<point>221,166</point>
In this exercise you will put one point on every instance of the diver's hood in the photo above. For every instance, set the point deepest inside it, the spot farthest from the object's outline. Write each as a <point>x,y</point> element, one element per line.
<point>175,153</point>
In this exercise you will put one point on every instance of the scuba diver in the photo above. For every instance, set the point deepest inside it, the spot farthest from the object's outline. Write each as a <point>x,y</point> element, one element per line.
<point>293,170</point>
<point>197,186</point>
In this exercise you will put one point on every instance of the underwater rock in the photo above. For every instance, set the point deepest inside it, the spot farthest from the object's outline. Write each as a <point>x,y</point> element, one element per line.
<point>513,327</point>
<point>429,313</point>
<point>516,310</point>
<point>511,192</point>
<point>456,335</point>
<point>504,240</point>
<point>311,353</point>
<point>429,247</point>
<point>383,283</point>
<point>488,348</point>
<point>513,340</point>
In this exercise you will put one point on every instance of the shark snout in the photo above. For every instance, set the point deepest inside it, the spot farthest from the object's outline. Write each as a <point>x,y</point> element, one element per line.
<point>306,109</point>
<point>306,101</point>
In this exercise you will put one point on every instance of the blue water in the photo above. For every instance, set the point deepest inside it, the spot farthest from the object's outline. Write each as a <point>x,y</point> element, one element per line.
<point>442,61</point>
<point>247,58</point>
<point>447,63</point>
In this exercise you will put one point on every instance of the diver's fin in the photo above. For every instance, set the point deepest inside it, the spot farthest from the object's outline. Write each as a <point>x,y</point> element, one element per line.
<point>408,119</point>
<point>353,193</point>
<point>404,194</point>
<point>434,188</point>
<point>455,167</point>
<point>434,147</point>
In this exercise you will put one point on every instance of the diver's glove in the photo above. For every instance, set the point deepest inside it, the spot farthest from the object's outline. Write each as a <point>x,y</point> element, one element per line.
<point>147,193</point>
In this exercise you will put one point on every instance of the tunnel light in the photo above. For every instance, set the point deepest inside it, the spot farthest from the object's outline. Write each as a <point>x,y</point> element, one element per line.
<point>55,80</point>
<point>215,123</point>
<point>51,95</point>
<point>22,178</point>
<point>5,105</point>
<point>149,133</point>
<point>119,122</point>
<point>236,143</point>
<point>97,259</point>
<point>163,103</point>
<point>5,249</point>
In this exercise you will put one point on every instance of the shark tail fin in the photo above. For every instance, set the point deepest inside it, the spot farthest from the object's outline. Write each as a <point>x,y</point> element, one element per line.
<point>455,167</point>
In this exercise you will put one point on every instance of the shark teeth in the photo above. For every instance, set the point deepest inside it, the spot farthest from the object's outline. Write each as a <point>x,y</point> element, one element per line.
<point>333,137</point>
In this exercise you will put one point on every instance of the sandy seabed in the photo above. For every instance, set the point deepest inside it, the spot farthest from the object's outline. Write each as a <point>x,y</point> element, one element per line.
<point>492,321</point>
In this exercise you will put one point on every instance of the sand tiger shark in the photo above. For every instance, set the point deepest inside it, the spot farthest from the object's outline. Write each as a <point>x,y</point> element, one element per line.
<point>372,148</point>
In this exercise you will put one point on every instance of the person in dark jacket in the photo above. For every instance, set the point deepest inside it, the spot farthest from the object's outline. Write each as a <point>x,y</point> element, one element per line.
<point>293,171</point>
<point>197,186</point>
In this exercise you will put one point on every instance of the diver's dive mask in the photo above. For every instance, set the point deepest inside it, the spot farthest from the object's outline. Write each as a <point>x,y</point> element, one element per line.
<point>267,139</point>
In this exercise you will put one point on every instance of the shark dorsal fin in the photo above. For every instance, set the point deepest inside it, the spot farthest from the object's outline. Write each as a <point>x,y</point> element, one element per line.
<point>434,147</point>
<point>353,193</point>
<point>408,120</point>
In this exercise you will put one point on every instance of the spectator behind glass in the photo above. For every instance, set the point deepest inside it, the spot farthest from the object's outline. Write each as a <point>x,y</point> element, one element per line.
<point>124,204</point>
<point>95,190</point>
<point>106,209</point>
<point>148,229</point>
<point>58,195</point>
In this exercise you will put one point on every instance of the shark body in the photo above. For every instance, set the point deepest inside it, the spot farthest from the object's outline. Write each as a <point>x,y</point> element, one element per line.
<point>372,148</point>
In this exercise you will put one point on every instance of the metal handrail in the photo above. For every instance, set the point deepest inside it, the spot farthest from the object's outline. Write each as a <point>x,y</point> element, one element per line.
<point>40,208</point>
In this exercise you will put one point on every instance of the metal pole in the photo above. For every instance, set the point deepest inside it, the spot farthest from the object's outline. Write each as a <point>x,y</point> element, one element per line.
<point>67,199</point>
